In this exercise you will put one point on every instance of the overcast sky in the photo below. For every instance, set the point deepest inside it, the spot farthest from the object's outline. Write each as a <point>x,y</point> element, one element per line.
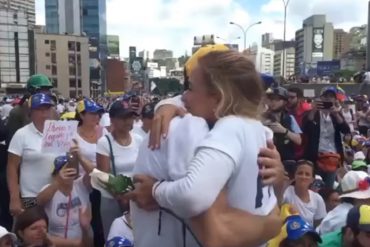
<point>172,24</point>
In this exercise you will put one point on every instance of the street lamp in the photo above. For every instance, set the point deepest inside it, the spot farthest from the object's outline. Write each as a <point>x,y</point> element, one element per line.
<point>286,2</point>
<point>245,30</point>
<point>226,40</point>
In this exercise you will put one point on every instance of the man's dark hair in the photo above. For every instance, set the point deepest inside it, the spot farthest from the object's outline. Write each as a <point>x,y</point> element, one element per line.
<point>297,91</point>
<point>326,192</point>
<point>348,200</point>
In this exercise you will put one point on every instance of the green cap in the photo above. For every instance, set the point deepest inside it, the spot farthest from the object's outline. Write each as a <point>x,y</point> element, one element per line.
<point>358,164</point>
<point>38,81</point>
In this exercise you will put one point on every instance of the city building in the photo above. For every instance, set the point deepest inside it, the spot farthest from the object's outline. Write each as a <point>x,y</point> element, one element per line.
<point>358,37</point>
<point>144,54</point>
<point>132,53</point>
<point>289,62</point>
<point>267,40</point>
<point>118,76</point>
<point>85,18</point>
<point>162,54</point>
<point>113,46</point>
<point>278,47</point>
<point>353,60</point>
<point>263,59</point>
<point>342,41</point>
<point>65,59</point>
<point>63,16</point>
<point>15,65</point>
<point>314,42</point>
<point>27,6</point>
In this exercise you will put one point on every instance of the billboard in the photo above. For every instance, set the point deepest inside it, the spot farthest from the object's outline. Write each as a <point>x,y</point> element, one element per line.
<point>318,42</point>
<point>137,65</point>
<point>327,68</point>
<point>113,45</point>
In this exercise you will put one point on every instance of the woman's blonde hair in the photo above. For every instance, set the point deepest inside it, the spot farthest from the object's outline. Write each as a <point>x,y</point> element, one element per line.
<point>234,77</point>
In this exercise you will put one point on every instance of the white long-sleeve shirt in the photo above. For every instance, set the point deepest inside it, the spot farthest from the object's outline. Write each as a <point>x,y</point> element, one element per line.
<point>227,156</point>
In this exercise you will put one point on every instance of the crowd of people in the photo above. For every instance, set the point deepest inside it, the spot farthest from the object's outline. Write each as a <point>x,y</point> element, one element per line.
<point>233,162</point>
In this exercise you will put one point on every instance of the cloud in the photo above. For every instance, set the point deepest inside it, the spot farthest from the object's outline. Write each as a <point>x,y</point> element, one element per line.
<point>172,24</point>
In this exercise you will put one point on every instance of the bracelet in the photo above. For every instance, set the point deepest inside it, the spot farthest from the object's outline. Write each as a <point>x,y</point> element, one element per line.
<point>286,132</point>
<point>155,187</point>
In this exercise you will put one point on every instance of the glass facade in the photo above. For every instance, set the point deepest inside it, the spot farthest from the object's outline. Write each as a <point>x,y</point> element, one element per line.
<point>52,16</point>
<point>94,24</point>
<point>14,47</point>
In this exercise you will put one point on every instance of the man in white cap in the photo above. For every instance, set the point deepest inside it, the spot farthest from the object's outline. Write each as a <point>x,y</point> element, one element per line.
<point>7,239</point>
<point>355,187</point>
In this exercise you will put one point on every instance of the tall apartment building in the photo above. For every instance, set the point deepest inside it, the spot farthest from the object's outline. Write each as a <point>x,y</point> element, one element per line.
<point>65,59</point>
<point>267,40</point>
<point>289,62</point>
<point>15,66</point>
<point>27,6</point>
<point>314,42</point>
<point>162,54</point>
<point>263,59</point>
<point>86,18</point>
<point>342,42</point>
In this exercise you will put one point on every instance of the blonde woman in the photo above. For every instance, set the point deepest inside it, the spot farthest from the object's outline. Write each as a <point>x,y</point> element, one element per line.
<point>226,91</point>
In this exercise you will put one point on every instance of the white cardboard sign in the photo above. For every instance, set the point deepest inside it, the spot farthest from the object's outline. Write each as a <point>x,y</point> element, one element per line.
<point>58,135</point>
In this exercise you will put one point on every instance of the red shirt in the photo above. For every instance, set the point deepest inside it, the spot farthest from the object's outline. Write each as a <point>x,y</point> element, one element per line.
<point>298,114</point>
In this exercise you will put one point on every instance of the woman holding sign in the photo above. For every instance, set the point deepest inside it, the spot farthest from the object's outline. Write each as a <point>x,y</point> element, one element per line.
<point>25,157</point>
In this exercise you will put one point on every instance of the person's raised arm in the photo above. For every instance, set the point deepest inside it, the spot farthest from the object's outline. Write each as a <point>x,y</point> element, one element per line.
<point>165,111</point>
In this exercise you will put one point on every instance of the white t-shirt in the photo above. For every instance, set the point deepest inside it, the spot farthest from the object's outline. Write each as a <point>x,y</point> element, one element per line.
<point>348,118</point>
<point>124,156</point>
<point>313,210</point>
<point>36,166</point>
<point>169,162</point>
<point>57,210</point>
<point>5,110</point>
<point>121,228</point>
<point>335,219</point>
<point>88,150</point>
<point>138,123</point>
<point>139,131</point>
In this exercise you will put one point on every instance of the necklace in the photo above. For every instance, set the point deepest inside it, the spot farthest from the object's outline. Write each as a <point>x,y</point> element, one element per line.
<point>87,135</point>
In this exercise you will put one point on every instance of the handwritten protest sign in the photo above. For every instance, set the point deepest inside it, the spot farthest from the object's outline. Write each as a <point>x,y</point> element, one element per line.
<point>57,136</point>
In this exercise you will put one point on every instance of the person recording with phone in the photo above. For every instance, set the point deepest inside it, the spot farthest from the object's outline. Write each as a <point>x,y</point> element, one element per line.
<point>323,126</point>
<point>285,127</point>
<point>66,200</point>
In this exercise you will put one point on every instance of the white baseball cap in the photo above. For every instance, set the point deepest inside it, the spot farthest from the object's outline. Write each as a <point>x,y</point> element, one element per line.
<point>359,156</point>
<point>350,185</point>
<point>4,232</point>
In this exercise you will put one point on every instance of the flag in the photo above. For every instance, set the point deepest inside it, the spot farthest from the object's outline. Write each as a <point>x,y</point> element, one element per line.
<point>152,86</point>
<point>341,94</point>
